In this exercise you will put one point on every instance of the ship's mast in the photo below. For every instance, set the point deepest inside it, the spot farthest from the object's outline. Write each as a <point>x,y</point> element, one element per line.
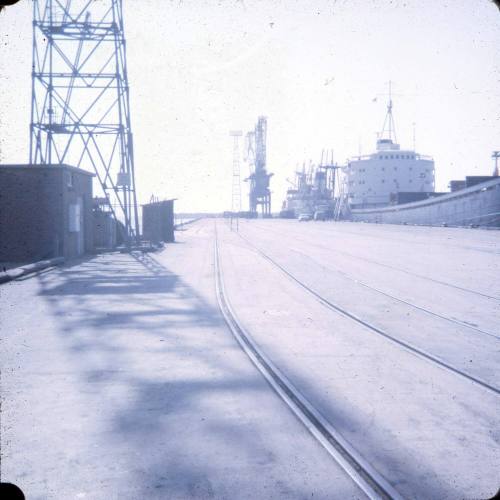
<point>389,125</point>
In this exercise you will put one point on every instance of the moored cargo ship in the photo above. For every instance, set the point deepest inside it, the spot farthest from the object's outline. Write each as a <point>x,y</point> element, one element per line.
<point>396,186</point>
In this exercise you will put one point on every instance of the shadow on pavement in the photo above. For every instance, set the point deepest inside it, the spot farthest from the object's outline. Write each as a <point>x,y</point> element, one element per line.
<point>150,357</point>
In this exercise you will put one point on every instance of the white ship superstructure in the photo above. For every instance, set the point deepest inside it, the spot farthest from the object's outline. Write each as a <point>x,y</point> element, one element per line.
<point>376,180</point>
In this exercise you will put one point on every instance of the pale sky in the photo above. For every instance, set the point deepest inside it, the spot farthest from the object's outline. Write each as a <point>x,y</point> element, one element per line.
<point>198,69</point>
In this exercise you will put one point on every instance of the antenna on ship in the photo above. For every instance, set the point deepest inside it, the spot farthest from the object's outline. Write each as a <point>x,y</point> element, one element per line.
<point>389,120</point>
<point>414,142</point>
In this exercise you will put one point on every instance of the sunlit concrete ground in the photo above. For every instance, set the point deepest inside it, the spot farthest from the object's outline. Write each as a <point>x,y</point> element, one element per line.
<point>121,380</point>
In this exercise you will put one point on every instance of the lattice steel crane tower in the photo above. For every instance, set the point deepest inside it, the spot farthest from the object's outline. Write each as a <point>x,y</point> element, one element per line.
<point>236,181</point>
<point>80,111</point>
<point>259,178</point>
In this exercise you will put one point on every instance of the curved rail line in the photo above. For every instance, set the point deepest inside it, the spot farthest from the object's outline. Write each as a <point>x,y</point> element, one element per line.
<point>415,306</point>
<point>422,276</point>
<point>368,479</point>
<point>409,347</point>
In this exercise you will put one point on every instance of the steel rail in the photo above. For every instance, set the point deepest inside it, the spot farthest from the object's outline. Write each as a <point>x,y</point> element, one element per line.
<point>406,345</point>
<point>373,484</point>
<point>410,304</point>
<point>399,269</point>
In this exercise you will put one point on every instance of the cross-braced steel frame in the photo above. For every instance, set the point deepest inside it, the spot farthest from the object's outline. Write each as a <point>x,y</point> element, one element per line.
<point>259,193</point>
<point>80,111</point>
<point>236,184</point>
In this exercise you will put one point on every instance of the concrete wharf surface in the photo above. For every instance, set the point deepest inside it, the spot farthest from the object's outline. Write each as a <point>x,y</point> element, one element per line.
<point>120,379</point>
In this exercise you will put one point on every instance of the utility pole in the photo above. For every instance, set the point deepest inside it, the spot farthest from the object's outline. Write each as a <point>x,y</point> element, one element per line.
<point>236,181</point>
<point>80,111</point>
<point>495,155</point>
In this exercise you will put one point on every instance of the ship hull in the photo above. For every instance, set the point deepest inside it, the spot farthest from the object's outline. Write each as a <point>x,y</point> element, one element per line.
<point>478,205</point>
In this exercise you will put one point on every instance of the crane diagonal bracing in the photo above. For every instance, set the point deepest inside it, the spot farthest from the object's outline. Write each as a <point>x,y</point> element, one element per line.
<point>80,111</point>
<point>236,183</point>
<point>260,193</point>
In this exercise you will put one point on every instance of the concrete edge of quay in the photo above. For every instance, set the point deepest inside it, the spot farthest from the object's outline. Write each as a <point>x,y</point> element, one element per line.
<point>17,272</point>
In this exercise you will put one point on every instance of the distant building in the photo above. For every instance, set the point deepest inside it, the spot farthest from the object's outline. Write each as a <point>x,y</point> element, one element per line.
<point>158,221</point>
<point>456,185</point>
<point>45,212</point>
<point>106,229</point>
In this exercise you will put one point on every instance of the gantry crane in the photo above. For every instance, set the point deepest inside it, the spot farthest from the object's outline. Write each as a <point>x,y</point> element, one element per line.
<point>259,179</point>
<point>80,112</point>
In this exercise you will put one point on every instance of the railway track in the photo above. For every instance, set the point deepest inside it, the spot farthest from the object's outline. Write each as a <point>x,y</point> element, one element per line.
<point>422,354</point>
<point>410,304</point>
<point>395,268</point>
<point>363,474</point>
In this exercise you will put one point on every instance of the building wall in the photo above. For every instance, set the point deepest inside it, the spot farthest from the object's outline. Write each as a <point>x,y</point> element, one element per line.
<point>104,230</point>
<point>77,187</point>
<point>34,212</point>
<point>372,180</point>
<point>158,221</point>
